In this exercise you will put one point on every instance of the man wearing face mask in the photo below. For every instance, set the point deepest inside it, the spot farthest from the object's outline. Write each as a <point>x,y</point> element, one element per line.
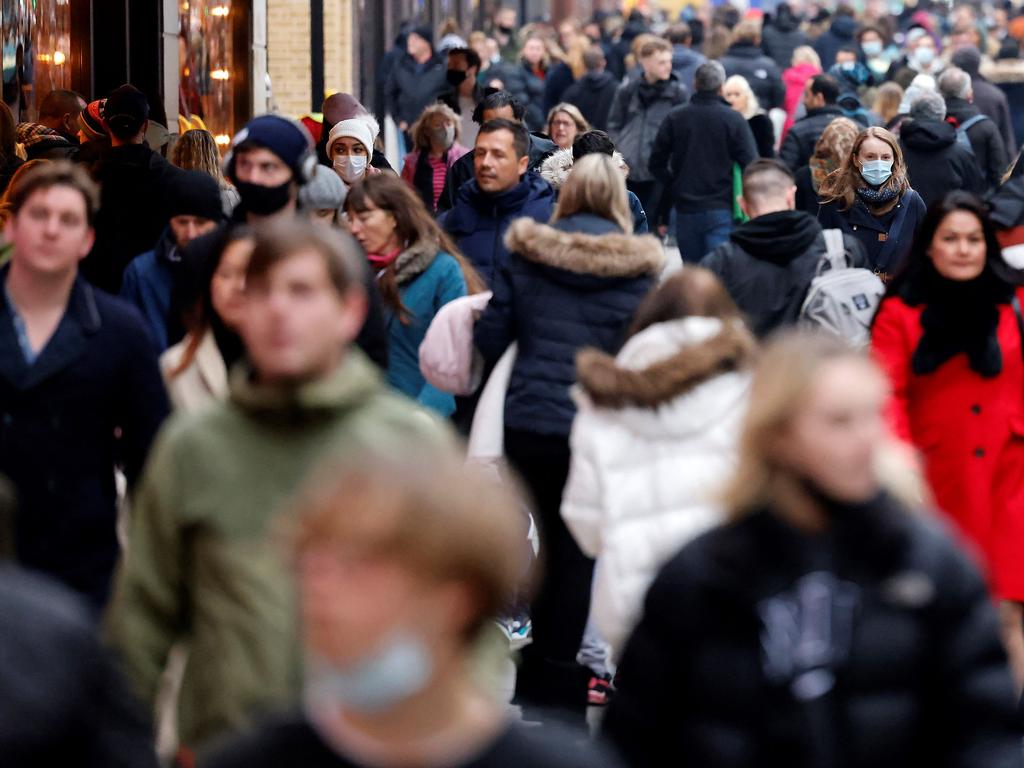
<point>465,93</point>
<point>921,59</point>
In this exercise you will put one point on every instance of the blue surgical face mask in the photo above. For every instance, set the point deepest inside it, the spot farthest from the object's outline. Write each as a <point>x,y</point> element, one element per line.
<point>872,48</point>
<point>924,55</point>
<point>876,172</point>
<point>399,668</point>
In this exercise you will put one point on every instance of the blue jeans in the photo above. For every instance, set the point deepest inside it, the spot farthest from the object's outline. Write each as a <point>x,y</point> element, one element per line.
<point>700,232</point>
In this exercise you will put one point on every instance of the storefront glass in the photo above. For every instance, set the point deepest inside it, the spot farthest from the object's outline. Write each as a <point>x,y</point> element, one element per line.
<point>36,52</point>
<point>207,92</point>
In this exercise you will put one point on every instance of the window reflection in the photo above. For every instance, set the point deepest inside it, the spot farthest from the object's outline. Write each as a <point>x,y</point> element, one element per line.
<point>206,96</point>
<point>36,43</point>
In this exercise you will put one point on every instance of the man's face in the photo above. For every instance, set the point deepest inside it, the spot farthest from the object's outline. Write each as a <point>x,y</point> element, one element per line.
<point>846,57</point>
<point>657,66</point>
<point>495,163</point>
<point>812,100</point>
<point>51,232</point>
<point>295,324</point>
<point>417,46</point>
<point>457,61</point>
<point>187,228</point>
<point>506,18</point>
<point>261,167</point>
<point>67,124</point>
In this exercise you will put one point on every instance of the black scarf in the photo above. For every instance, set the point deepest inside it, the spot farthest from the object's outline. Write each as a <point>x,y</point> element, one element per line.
<point>960,317</point>
<point>423,179</point>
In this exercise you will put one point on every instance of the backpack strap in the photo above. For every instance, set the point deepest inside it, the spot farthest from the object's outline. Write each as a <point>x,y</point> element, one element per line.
<point>971,122</point>
<point>835,249</point>
<point>893,240</point>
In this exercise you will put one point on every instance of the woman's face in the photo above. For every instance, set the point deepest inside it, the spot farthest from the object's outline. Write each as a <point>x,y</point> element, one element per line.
<point>873,149</point>
<point>958,248</point>
<point>735,96</point>
<point>870,37</point>
<point>227,288</point>
<point>533,52</point>
<point>349,147</point>
<point>374,228</point>
<point>833,438</point>
<point>563,129</point>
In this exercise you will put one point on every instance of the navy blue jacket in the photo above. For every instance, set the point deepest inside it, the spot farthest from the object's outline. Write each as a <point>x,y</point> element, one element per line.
<point>148,284</point>
<point>565,286</point>
<point>97,374</point>
<point>478,221</point>
<point>860,222</point>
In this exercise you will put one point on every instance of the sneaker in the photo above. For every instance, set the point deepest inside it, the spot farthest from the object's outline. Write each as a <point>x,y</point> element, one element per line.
<point>600,690</point>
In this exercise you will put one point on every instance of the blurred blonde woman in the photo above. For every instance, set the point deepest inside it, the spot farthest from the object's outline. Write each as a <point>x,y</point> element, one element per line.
<point>827,619</point>
<point>887,102</point>
<point>806,64</point>
<point>741,97</point>
<point>196,150</point>
<point>436,147</point>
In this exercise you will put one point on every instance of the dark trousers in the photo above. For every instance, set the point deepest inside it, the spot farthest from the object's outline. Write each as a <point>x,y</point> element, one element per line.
<point>549,677</point>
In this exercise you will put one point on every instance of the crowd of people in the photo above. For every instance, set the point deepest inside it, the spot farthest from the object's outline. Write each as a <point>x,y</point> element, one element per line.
<point>679,361</point>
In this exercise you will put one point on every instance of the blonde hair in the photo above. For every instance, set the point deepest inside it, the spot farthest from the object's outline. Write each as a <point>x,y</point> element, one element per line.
<point>753,105</point>
<point>747,31</point>
<point>582,126</point>
<point>408,511</point>
<point>804,54</point>
<point>595,186</point>
<point>197,151</point>
<point>887,101</point>
<point>842,184</point>
<point>420,129</point>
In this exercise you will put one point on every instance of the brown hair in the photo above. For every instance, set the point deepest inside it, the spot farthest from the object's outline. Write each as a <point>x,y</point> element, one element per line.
<point>652,46</point>
<point>597,186</point>
<point>694,292</point>
<point>572,111</point>
<point>747,31</point>
<point>279,240</point>
<point>5,199</point>
<point>60,173</point>
<point>420,129</point>
<point>413,226</point>
<point>887,100</point>
<point>442,520</point>
<point>196,150</point>
<point>842,184</point>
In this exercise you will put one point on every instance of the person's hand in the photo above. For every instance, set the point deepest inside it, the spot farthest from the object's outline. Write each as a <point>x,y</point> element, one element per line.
<point>373,171</point>
<point>403,126</point>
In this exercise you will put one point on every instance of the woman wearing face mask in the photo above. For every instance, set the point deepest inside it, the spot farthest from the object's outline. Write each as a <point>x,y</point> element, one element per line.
<point>738,93</point>
<point>350,147</point>
<point>870,197</point>
<point>435,139</point>
<point>828,623</point>
<point>196,369</point>
<point>565,123</point>
<point>400,568</point>
<point>418,269</point>
<point>950,340</point>
<point>876,55</point>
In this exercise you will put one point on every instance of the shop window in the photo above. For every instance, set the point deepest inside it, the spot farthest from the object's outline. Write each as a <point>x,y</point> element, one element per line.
<point>207,91</point>
<point>36,52</point>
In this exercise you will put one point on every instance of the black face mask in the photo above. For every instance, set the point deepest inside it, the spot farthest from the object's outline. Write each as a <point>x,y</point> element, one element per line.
<point>263,201</point>
<point>457,77</point>
<point>506,30</point>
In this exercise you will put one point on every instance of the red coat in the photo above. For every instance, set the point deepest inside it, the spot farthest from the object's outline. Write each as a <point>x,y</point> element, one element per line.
<point>970,433</point>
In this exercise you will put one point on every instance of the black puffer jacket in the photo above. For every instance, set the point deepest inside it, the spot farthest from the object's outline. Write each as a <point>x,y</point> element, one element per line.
<point>760,71</point>
<point>936,163</point>
<point>768,264</point>
<point>874,644</point>
<point>798,146</point>
<point>411,87</point>
<point>592,94</point>
<point>566,286</point>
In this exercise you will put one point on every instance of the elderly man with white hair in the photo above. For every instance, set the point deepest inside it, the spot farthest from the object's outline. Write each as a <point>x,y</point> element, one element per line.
<point>980,131</point>
<point>936,161</point>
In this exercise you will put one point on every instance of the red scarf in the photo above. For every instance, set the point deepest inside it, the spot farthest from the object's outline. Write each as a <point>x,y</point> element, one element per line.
<point>381,261</point>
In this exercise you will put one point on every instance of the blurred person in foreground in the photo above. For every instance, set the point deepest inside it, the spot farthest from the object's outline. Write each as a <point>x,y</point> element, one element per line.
<point>829,622</point>
<point>200,562</point>
<point>392,605</point>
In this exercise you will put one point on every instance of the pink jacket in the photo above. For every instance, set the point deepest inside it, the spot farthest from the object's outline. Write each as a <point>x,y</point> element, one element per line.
<point>795,79</point>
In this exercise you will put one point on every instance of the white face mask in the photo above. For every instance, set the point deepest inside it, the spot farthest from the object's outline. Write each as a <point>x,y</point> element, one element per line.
<point>350,167</point>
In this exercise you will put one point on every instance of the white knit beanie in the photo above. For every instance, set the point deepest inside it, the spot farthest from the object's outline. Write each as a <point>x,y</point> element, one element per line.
<point>353,128</point>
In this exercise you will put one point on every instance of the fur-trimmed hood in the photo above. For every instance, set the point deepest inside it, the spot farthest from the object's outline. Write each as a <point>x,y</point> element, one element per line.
<point>586,245</point>
<point>1005,71</point>
<point>414,261</point>
<point>680,376</point>
<point>555,170</point>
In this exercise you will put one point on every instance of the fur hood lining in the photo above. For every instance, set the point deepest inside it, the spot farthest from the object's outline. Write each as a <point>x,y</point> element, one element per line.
<point>611,255</point>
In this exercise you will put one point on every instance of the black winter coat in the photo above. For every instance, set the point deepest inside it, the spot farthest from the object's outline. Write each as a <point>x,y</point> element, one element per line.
<point>768,263</point>
<point>990,153</point>
<point>780,38</point>
<point>761,72</point>
<point>764,134</point>
<point>798,146</point>
<point>936,163</point>
<point>840,34</point>
<point>592,94</point>
<point>638,112</point>
<point>557,82</point>
<point>64,701</point>
<point>134,210</point>
<point>870,229</point>
<point>874,645</point>
<point>695,149</point>
<point>567,286</point>
<point>521,82</point>
<point>411,87</point>
<point>97,375</point>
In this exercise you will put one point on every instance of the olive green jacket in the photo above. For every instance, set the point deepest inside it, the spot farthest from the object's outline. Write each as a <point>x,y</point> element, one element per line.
<point>205,562</point>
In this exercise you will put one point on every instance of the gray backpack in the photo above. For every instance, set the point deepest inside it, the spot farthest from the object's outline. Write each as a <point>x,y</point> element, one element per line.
<point>842,299</point>
<point>961,132</point>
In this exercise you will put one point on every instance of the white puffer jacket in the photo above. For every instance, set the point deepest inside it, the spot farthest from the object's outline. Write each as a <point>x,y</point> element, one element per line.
<point>654,439</point>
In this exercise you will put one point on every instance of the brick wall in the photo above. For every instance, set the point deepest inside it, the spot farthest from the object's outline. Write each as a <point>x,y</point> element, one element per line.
<point>338,68</point>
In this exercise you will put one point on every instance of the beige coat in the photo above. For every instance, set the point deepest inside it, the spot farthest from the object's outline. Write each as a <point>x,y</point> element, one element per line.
<point>205,381</point>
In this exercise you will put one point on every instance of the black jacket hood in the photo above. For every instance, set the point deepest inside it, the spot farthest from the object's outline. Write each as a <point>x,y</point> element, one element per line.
<point>777,237</point>
<point>927,135</point>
